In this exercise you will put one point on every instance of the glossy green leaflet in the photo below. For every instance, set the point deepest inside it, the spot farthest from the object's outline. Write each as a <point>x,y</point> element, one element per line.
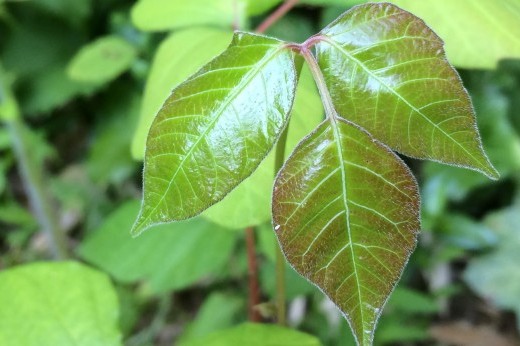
<point>345,207</point>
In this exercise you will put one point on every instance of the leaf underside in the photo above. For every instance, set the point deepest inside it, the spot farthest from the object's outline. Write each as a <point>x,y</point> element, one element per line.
<point>215,129</point>
<point>386,71</point>
<point>333,225</point>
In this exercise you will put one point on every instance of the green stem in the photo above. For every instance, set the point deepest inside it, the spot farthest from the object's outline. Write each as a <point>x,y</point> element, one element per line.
<point>280,259</point>
<point>34,184</point>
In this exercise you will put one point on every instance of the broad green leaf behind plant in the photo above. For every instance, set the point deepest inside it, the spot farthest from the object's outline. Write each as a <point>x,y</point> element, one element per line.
<point>168,257</point>
<point>249,334</point>
<point>495,275</point>
<point>57,304</point>
<point>227,307</point>
<point>101,61</point>
<point>477,33</point>
<point>157,15</point>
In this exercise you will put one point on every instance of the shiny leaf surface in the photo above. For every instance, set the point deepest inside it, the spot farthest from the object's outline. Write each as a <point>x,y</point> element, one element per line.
<point>171,67</point>
<point>215,129</point>
<point>387,71</point>
<point>333,225</point>
<point>250,203</point>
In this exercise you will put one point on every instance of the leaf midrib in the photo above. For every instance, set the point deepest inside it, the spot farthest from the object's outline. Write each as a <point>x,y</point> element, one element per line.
<point>337,139</point>
<point>232,96</point>
<point>398,95</point>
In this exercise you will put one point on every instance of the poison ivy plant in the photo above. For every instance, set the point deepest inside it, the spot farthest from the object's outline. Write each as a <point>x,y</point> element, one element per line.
<point>345,207</point>
<point>203,122</point>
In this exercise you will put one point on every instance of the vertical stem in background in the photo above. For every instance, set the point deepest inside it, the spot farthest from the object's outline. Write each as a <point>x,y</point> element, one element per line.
<point>237,15</point>
<point>254,291</point>
<point>280,155</point>
<point>280,259</point>
<point>276,15</point>
<point>33,181</point>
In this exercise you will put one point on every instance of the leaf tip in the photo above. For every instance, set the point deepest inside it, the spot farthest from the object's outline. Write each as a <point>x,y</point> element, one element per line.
<point>140,225</point>
<point>488,169</point>
<point>491,172</point>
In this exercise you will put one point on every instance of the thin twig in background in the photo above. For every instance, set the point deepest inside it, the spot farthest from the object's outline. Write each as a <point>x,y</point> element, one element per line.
<point>254,291</point>
<point>36,190</point>
<point>276,15</point>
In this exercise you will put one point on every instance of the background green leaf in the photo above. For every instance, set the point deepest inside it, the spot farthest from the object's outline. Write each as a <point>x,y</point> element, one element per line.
<point>171,66</point>
<point>102,60</point>
<point>477,33</point>
<point>8,106</point>
<point>333,228</point>
<point>397,84</point>
<point>495,276</point>
<point>228,117</point>
<point>58,304</point>
<point>41,82</point>
<point>168,257</point>
<point>109,159</point>
<point>255,7</point>
<point>157,15</point>
<point>75,12</point>
<point>218,312</point>
<point>249,334</point>
<point>463,232</point>
<point>333,2</point>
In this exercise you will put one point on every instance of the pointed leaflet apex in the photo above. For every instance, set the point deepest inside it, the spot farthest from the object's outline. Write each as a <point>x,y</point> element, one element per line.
<point>387,71</point>
<point>333,225</point>
<point>215,129</point>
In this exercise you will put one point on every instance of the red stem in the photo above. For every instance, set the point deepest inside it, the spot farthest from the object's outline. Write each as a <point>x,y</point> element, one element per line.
<point>276,15</point>
<point>254,291</point>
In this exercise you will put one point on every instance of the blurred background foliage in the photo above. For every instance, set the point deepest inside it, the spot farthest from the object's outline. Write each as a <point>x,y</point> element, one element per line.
<point>80,82</point>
